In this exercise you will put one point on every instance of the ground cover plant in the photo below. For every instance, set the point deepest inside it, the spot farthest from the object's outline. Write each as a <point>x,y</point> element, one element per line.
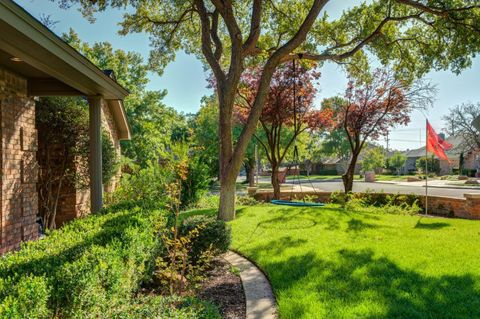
<point>93,268</point>
<point>363,263</point>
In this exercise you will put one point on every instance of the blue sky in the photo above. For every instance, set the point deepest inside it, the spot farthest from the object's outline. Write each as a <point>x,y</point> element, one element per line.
<point>184,79</point>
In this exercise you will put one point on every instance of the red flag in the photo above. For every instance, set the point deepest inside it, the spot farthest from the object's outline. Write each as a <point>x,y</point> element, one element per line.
<point>436,144</point>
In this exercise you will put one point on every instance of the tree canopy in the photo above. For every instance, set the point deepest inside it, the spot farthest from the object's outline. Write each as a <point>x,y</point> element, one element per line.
<point>411,36</point>
<point>459,123</point>
<point>374,106</point>
<point>152,123</point>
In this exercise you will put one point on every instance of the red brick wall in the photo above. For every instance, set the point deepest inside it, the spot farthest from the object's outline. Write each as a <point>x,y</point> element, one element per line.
<point>18,196</point>
<point>75,203</point>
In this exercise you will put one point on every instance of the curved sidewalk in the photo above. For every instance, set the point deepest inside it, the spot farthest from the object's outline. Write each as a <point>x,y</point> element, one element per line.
<point>258,292</point>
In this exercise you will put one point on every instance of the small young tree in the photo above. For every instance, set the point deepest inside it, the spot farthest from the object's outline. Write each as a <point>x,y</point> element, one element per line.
<point>374,158</point>
<point>287,112</point>
<point>433,165</point>
<point>461,164</point>
<point>62,151</point>
<point>373,106</point>
<point>397,161</point>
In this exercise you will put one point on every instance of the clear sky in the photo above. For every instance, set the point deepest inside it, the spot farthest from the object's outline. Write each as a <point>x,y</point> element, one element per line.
<point>184,79</point>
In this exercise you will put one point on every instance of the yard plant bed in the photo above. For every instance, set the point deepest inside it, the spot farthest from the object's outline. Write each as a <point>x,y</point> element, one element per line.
<point>224,289</point>
<point>331,263</point>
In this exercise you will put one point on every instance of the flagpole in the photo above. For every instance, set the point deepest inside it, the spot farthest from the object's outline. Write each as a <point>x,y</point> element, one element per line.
<point>426,168</point>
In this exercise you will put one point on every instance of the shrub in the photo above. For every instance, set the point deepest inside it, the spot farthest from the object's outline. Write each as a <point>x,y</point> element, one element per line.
<point>196,183</point>
<point>208,201</point>
<point>145,184</point>
<point>214,233</point>
<point>146,307</point>
<point>246,201</point>
<point>87,269</point>
<point>433,165</point>
<point>110,160</point>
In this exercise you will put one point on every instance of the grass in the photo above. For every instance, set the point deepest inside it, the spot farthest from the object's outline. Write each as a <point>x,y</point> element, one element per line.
<point>395,178</point>
<point>328,263</point>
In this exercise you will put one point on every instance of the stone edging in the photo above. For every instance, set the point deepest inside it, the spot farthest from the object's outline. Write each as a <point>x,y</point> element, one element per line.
<point>260,301</point>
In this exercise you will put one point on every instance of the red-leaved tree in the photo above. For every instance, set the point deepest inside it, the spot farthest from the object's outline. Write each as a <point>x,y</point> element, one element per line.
<point>372,107</point>
<point>287,113</point>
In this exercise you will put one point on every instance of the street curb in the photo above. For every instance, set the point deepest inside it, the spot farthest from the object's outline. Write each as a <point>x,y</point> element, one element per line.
<point>260,301</point>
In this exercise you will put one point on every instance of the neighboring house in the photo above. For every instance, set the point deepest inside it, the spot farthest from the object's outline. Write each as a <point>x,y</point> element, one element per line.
<point>470,158</point>
<point>339,165</point>
<point>35,62</point>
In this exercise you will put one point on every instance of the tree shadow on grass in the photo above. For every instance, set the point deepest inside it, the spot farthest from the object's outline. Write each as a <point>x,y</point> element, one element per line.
<point>356,225</point>
<point>331,220</point>
<point>356,284</point>
<point>433,226</point>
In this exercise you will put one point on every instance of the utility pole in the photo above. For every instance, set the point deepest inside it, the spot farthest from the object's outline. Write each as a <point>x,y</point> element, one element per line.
<point>388,140</point>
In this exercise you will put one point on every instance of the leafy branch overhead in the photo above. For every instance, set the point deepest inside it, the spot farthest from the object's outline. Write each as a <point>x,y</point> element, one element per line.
<point>228,36</point>
<point>391,29</point>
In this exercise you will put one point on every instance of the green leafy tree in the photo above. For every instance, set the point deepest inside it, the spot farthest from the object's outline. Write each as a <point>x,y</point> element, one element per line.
<point>151,122</point>
<point>63,152</point>
<point>205,133</point>
<point>205,136</point>
<point>461,164</point>
<point>414,36</point>
<point>313,152</point>
<point>432,163</point>
<point>372,159</point>
<point>397,161</point>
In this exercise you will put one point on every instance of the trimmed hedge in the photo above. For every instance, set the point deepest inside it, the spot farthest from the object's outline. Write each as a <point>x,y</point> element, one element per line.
<point>91,268</point>
<point>215,233</point>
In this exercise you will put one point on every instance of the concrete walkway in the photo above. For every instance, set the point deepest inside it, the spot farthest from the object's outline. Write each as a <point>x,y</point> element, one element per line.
<point>258,293</point>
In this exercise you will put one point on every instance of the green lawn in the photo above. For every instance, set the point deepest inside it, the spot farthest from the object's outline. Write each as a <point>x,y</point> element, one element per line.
<point>327,263</point>
<point>395,178</point>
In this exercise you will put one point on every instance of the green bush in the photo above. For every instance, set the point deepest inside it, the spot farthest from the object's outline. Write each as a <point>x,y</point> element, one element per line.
<point>433,164</point>
<point>214,232</point>
<point>208,201</point>
<point>246,201</point>
<point>378,202</point>
<point>147,307</point>
<point>145,184</point>
<point>196,184</point>
<point>87,269</point>
<point>110,159</point>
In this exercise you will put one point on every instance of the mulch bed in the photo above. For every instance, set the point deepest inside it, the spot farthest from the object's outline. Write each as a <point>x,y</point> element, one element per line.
<point>224,289</point>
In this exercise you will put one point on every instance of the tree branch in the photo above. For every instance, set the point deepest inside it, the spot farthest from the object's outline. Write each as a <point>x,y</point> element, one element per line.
<point>207,43</point>
<point>254,34</point>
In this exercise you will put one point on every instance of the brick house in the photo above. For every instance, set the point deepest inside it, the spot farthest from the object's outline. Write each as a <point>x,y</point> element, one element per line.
<point>471,158</point>
<point>34,62</point>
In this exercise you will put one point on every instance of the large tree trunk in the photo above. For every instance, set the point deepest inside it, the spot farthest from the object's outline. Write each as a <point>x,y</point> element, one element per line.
<point>349,174</point>
<point>227,198</point>
<point>229,165</point>
<point>250,170</point>
<point>275,182</point>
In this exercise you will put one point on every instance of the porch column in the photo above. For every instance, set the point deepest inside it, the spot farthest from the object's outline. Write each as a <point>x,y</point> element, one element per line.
<point>95,159</point>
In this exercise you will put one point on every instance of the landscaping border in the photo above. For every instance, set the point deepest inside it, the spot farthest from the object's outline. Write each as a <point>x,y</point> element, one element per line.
<point>260,301</point>
<point>467,207</point>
